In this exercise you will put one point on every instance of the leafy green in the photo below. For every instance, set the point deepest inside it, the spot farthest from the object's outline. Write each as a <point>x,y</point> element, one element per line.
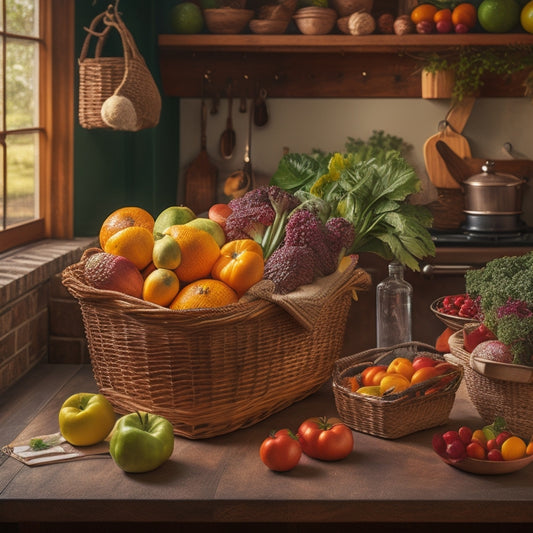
<point>369,186</point>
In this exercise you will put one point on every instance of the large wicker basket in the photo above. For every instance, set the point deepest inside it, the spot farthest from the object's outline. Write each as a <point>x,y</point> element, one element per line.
<point>212,371</point>
<point>495,397</point>
<point>404,413</point>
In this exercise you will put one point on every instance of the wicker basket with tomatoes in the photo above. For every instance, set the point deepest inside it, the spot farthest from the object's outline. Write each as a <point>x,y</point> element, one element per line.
<point>392,392</point>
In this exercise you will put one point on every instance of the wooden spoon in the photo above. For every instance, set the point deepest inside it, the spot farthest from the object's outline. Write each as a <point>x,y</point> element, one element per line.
<point>228,137</point>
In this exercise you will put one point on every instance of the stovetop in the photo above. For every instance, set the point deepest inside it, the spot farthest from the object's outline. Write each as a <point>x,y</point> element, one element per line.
<point>461,237</point>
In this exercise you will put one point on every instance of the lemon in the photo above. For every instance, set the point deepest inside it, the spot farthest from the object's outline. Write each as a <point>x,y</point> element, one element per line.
<point>498,16</point>
<point>526,17</point>
<point>186,18</point>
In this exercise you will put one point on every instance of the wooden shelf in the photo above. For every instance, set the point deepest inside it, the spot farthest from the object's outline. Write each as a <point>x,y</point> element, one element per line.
<point>305,66</point>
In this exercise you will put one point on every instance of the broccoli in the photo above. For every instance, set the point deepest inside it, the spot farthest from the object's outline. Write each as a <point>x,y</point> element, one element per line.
<point>261,214</point>
<point>505,289</point>
<point>310,249</point>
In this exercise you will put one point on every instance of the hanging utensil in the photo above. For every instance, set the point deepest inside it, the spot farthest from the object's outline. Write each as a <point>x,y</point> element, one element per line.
<point>201,175</point>
<point>449,132</point>
<point>228,137</point>
<point>241,181</point>
<point>260,108</point>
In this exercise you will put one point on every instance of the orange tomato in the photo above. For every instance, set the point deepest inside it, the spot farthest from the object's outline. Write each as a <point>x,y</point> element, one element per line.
<point>401,365</point>
<point>240,265</point>
<point>372,375</point>
<point>396,382</point>
<point>422,374</point>
<point>423,12</point>
<point>466,14</point>
<point>442,14</point>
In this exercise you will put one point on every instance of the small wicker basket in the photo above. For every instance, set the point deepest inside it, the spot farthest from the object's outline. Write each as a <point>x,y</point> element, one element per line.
<point>494,397</point>
<point>212,371</point>
<point>403,413</point>
<point>101,78</point>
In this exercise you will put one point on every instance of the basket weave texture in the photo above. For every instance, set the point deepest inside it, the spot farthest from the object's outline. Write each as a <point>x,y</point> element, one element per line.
<point>212,371</point>
<point>494,397</point>
<point>401,415</point>
<point>103,77</point>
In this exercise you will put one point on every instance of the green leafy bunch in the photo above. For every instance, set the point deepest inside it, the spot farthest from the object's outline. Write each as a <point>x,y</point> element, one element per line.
<point>505,288</point>
<point>471,65</point>
<point>369,186</point>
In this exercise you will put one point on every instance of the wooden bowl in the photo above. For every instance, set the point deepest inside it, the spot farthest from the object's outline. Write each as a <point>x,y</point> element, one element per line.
<point>315,20</point>
<point>227,20</point>
<point>268,27</point>
<point>454,322</point>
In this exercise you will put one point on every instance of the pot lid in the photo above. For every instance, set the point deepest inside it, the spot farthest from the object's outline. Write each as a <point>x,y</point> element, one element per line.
<point>489,178</point>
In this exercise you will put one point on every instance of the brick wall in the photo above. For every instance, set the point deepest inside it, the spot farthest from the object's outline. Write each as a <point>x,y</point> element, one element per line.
<point>39,320</point>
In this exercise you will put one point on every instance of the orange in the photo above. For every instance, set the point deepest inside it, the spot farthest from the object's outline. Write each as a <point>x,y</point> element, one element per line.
<point>513,448</point>
<point>466,14</point>
<point>124,217</point>
<point>199,251</point>
<point>161,287</point>
<point>423,12</point>
<point>134,243</point>
<point>529,448</point>
<point>442,14</point>
<point>204,293</point>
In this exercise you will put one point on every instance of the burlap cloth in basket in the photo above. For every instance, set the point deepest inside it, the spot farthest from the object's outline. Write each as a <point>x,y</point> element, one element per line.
<point>306,302</point>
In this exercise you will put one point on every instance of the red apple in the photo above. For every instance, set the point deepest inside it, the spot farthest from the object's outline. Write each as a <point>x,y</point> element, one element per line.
<point>421,361</point>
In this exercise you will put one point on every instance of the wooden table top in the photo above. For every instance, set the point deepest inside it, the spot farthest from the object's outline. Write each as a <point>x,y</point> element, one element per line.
<point>222,479</point>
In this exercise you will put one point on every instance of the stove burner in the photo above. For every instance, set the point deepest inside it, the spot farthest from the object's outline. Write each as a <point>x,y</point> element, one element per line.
<point>467,237</point>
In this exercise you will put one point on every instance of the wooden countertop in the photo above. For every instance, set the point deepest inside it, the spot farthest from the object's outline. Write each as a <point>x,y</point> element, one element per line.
<point>222,480</point>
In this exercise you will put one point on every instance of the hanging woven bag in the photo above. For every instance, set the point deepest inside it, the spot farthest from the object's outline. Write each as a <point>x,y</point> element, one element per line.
<point>117,93</point>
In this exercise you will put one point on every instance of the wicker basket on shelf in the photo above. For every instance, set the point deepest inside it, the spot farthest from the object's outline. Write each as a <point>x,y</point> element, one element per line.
<point>212,371</point>
<point>494,397</point>
<point>402,414</point>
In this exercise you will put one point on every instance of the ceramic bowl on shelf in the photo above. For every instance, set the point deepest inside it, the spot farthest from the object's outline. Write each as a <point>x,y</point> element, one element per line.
<point>452,321</point>
<point>268,27</point>
<point>478,466</point>
<point>315,20</point>
<point>227,20</point>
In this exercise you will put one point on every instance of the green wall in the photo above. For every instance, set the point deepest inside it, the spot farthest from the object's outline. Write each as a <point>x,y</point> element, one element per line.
<point>115,169</point>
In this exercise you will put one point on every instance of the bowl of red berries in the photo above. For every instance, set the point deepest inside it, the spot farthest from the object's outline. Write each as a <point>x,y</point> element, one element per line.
<point>490,449</point>
<point>456,310</point>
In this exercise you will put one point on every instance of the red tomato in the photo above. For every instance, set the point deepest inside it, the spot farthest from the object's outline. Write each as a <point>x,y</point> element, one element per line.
<point>372,375</point>
<point>281,450</point>
<point>325,438</point>
<point>422,361</point>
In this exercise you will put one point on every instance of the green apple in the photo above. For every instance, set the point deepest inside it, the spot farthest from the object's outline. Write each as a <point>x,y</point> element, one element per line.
<point>141,442</point>
<point>86,418</point>
<point>175,214</point>
<point>212,227</point>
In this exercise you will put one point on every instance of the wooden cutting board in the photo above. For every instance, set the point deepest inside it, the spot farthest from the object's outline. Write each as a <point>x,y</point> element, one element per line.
<point>450,133</point>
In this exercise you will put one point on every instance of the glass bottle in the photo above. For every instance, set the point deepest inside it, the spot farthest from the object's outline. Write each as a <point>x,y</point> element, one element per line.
<point>393,308</point>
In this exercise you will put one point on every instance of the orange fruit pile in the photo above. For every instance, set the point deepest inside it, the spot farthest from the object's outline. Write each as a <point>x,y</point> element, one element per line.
<point>185,265</point>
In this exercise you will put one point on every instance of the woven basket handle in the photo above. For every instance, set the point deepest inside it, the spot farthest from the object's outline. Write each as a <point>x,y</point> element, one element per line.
<point>113,19</point>
<point>91,32</point>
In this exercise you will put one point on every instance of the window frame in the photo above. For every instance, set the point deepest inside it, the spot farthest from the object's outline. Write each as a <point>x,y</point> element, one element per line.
<point>56,148</point>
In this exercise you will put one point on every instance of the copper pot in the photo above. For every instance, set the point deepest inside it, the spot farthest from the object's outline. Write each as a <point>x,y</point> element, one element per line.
<point>491,193</point>
<point>493,201</point>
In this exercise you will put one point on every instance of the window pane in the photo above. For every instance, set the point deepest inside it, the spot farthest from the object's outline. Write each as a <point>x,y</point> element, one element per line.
<point>2,186</point>
<point>2,83</point>
<point>21,82</point>
<point>22,185</point>
<point>22,17</point>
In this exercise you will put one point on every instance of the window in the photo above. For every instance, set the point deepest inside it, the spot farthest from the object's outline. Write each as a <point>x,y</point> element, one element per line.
<point>36,120</point>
